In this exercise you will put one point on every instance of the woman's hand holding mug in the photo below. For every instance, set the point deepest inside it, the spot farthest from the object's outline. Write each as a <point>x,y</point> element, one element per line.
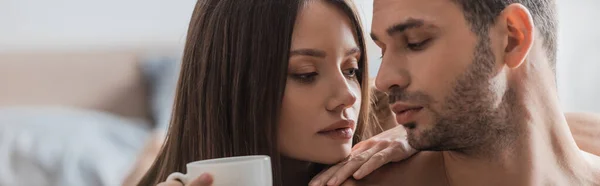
<point>231,171</point>
<point>204,180</point>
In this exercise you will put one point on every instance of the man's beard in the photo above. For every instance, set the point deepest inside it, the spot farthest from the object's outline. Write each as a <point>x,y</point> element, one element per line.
<point>469,120</point>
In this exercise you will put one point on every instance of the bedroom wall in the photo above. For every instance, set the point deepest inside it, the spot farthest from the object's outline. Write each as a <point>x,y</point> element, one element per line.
<point>92,24</point>
<point>86,24</point>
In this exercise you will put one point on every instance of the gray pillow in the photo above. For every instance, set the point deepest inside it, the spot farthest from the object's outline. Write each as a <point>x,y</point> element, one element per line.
<point>162,74</point>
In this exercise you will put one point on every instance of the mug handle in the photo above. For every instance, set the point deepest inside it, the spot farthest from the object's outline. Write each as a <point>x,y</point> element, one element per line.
<point>177,176</point>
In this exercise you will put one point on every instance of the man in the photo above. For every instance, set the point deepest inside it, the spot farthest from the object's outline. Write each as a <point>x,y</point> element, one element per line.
<point>473,82</point>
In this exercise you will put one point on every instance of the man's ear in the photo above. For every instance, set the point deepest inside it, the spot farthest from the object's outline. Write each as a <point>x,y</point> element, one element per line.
<point>519,32</point>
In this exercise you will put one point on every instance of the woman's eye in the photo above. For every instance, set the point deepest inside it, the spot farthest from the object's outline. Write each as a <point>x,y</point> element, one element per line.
<point>305,77</point>
<point>351,72</point>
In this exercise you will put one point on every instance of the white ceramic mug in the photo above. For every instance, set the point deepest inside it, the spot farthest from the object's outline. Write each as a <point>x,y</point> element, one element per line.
<point>232,171</point>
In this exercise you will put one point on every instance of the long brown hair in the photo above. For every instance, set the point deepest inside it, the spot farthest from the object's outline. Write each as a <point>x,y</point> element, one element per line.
<point>382,117</point>
<point>232,82</point>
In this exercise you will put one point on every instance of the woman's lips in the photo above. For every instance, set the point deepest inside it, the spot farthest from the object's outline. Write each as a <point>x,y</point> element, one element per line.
<point>345,133</point>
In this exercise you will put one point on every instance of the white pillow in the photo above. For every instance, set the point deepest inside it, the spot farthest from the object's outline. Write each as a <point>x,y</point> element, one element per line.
<point>66,146</point>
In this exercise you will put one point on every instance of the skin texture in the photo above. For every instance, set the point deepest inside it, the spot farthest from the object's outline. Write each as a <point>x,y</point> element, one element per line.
<point>388,146</point>
<point>489,110</point>
<point>445,97</point>
<point>586,131</point>
<point>322,87</point>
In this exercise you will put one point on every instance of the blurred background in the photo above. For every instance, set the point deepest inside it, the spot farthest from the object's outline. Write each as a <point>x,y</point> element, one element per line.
<point>80,25</point>
<point>105,71</point>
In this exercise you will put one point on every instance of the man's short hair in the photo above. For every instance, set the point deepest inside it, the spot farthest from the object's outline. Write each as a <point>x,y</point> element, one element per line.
<point>481,14</point>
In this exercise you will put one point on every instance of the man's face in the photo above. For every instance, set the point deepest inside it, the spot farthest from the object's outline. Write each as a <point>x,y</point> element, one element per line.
<point>444,83</point>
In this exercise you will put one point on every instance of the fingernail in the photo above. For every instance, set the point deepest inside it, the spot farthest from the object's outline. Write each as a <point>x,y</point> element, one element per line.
<point>205,178</point>
<point>357,174</point>
<point>332,181</point>
<point>315,183</point>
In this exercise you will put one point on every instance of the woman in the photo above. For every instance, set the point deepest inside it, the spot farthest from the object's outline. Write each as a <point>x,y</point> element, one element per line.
<point>285,78</point>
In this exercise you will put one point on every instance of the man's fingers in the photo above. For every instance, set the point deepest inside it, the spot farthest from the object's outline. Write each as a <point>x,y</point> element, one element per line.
<point>353,164</point>
<point>322,178</point>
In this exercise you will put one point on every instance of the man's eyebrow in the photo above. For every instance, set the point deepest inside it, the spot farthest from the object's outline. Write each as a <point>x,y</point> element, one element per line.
<point>374,37</point>
<point>408,24</point>
<point>401,27</point>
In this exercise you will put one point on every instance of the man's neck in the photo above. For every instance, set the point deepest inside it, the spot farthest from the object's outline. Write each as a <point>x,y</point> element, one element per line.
<point>542,153</point>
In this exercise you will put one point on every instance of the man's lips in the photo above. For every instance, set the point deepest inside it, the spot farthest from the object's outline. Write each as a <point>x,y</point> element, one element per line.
<point>405,113</point>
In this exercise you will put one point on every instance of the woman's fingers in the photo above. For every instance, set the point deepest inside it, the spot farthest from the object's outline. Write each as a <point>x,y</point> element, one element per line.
<point>353,164</point>
<point>322,178</point>
<point>203,180</point>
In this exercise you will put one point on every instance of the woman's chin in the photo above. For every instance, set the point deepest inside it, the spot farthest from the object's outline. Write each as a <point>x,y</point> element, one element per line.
<point>321,154</point>
<point>331,158</point>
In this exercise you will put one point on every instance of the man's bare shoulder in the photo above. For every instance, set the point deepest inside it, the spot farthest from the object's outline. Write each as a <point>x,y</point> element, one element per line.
<point>594,162</point>
<point>424,168</point>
